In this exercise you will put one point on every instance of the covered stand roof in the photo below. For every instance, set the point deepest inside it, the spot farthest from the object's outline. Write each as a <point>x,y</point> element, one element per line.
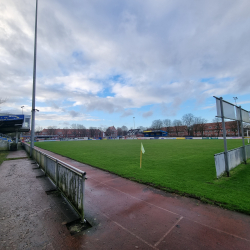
<point>11,123</point>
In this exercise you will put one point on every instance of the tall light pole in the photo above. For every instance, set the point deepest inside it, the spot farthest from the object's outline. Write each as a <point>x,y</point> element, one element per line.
<point>134,122</point>
<point>34,88</point>
<point>235,98</point>
<point>22,108</point>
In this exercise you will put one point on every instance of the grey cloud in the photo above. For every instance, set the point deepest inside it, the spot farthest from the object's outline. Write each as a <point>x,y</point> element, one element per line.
<point>64,123</point>
<point>74,113</point>
<point>127,113</point>
<point>147,114</point>
<point>103,105</point>
<point>149,43</point>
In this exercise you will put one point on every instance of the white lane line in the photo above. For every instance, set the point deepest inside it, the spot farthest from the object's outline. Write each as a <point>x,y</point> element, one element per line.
<point>151,204</point>
<point>100,183</point>
<point>139,238</point>
<point>162,238</point>
<point>175,213</point>
<point>166,209</point>
<point>221,231</point>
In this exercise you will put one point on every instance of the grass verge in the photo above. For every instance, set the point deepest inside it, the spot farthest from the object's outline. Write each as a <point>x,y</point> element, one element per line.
<point>3,155</point>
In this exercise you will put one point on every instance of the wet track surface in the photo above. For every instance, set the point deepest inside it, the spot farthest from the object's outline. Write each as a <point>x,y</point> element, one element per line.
<point>123,214</point>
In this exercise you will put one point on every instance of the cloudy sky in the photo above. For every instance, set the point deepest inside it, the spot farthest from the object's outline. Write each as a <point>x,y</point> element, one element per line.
<point>103,62</point>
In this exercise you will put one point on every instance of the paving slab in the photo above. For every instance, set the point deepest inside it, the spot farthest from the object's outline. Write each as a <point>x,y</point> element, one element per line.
<point>123,214</point>
<point>17,154</point>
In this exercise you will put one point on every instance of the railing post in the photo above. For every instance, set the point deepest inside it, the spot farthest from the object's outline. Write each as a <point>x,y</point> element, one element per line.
<point>46,163</point>
<point>40,160</point>
<point>83,191</point>
<point>56,173</point>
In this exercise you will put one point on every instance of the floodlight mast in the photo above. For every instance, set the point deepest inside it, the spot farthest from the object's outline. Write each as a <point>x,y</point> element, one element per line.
<point>34,88</point>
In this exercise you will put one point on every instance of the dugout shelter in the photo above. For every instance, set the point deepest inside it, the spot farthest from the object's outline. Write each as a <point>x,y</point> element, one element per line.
<point>14,123</point>
<point>155,133</point>
<point>10,123</point>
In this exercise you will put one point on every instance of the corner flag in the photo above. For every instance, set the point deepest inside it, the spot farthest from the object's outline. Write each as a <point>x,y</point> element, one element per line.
<point>142,152</point>
<point>142,149</point>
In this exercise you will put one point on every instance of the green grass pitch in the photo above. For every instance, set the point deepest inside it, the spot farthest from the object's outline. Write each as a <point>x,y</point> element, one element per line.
<point>182,166</point>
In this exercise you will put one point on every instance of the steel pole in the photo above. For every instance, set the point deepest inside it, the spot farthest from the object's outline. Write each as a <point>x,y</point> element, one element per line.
<point>224,137</point>
<point>243,138</point>
<point>34,88</point>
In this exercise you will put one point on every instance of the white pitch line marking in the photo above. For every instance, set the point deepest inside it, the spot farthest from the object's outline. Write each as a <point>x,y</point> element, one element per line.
<point>162,238</point>
<point>139,238</point>
<point>151,204</point>
<point>220,230</point>
<point>100,183</point>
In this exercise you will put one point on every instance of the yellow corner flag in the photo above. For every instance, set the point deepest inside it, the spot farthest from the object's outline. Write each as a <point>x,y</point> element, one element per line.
<point>142,149</point>
<point>142,152</point>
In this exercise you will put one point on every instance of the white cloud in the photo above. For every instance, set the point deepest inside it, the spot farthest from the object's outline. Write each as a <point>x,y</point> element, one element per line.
<point>159,49</point>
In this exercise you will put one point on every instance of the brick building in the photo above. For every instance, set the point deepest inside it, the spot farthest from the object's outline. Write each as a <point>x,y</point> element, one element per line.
<point>207,130</point>
<point>69,133</point>
<point>112,132</point>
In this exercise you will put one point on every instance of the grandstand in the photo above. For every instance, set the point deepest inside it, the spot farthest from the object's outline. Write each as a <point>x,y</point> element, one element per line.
<point>10,123</point>
<point>155,133</point>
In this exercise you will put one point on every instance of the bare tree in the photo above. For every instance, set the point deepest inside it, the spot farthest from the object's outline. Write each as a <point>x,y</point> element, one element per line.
<point>124,130</point>
<point>73,128</point>
<point>157,124</point>
<point>80,130</point>
<point>38,130</point>
<point>188,121</point>
<point>51,130</point>
<point>92,131</point>
<point>233,126</point>
<point>108,132</point>
<point>202,126</point>
<point>218,125</point>
<point>65,132</point>
<point>119,131</point>
<point>177,125</point>
<point>197,121</point>
<point>99,132</point>
<point>167,123</point>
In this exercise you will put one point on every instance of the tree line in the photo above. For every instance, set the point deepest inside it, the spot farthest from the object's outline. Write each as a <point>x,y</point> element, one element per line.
<point>191,124</point>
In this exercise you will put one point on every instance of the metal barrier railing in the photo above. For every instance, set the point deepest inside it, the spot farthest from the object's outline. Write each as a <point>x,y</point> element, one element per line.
<point>235,158</point>
<point>69,180</point>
